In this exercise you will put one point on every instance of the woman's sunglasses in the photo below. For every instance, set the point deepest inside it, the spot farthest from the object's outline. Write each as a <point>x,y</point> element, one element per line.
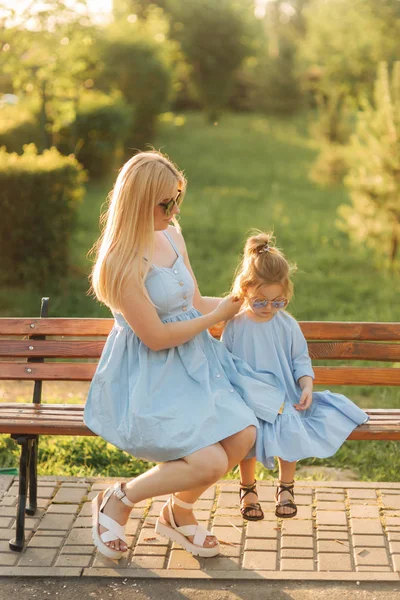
<point>261,303</point>
<point>169,204</point>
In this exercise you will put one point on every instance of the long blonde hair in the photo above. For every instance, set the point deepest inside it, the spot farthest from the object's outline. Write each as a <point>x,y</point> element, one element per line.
<point>262,264</point>
<point>128,225</point>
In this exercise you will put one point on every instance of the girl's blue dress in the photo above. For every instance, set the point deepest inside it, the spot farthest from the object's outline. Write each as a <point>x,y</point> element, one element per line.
<point>319,431</point>
<point>167,404</point>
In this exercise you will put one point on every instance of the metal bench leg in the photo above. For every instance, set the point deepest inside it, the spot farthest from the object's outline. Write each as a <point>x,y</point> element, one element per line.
<point>17,544</point>
<point>31,509</point>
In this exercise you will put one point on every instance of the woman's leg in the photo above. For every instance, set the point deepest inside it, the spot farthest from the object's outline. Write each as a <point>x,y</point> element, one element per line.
<point>286,477</point>
<point>237,446</point>
<point>195,472</point>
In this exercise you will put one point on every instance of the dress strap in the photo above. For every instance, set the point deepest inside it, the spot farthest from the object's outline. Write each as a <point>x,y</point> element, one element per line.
<point>171,242</point>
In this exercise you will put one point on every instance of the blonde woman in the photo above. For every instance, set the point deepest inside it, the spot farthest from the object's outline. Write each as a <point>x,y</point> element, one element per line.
<point>164,389</point>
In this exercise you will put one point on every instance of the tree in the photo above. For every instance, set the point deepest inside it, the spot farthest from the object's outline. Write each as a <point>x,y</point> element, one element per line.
<point>373,218</point>
<point>213,38</point>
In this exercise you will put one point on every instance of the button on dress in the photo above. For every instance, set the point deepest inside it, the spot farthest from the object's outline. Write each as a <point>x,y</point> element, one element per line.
<point>279,345</point>
<point>163,405</point>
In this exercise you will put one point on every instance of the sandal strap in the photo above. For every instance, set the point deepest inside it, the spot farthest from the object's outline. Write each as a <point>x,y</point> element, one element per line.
<point>248,489</point>
<point>114,529</point>
<point>121,495</point>
<point>181,503</point>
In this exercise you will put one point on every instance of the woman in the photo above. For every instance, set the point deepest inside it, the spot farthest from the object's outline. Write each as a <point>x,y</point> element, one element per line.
<point>164,389</point>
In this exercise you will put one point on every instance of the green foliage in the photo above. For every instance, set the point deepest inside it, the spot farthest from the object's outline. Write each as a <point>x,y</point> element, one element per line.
<point>18,126</point>
<point>331,165</point>
<point>213,38</point>
<point>98,132</point>
<point>137,63</point>
<point>40,195</point>
<point>373,218</point>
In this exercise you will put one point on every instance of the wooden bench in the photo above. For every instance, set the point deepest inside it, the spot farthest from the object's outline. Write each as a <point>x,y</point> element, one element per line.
<point>28,347</point>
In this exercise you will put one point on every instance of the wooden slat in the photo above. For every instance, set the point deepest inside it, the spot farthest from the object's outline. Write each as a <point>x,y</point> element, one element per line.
<point>52,348</point>
<point>55,326</point>
<point>349,330</point>
<point>354,351</point>
<point>47,371</point>
<point>357,376</point>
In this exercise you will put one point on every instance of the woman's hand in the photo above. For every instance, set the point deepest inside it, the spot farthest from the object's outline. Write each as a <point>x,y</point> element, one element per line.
<point>228,308</point>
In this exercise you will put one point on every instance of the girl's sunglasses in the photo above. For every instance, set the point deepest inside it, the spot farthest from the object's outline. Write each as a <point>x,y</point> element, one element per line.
<point>169,204</point>
<point>261,303</point>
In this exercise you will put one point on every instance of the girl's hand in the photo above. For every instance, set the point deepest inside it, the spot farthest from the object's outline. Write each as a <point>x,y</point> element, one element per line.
<point>305,399</point>
<point>228,308</point>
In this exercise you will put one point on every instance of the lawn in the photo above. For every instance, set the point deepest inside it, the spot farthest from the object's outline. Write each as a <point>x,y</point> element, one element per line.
<point>245,171</point>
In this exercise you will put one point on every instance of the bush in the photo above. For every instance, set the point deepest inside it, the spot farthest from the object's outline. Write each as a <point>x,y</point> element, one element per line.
<point>331,165</point>
<point>18,126</point>
<point>99,131</point>
<point>39,196</point>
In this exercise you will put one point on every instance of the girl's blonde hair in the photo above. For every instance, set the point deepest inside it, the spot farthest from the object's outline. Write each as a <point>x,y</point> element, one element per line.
<point>262,264</point>
<point>128,225</point>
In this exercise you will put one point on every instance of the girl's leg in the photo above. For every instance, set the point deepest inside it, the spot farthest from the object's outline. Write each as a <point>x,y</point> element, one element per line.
<point>195,472</point>
<point>286,477</point>
<point>247,469</point>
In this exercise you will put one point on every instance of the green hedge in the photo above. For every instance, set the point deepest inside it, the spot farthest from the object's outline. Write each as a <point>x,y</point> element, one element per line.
<point>98,133</point>
<point>39,195</point>
<point>18,126</point>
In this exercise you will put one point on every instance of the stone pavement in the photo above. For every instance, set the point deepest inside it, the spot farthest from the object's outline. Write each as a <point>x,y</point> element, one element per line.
<point>344,531</point>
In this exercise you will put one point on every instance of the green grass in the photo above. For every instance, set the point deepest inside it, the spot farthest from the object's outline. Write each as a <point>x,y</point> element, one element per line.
<point>247,171</point>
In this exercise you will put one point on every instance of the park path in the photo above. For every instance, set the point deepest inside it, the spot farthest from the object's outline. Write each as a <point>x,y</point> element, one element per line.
<point>344,531</point>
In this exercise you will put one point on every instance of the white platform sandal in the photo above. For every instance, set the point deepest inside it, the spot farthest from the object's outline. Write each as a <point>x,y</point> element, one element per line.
<point>180,534</point>
<point>114,529</point>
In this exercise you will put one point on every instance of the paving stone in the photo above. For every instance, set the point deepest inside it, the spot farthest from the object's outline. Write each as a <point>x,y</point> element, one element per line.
<point>208,494</point>
<point>297,564</point>
<point>88,550</point>
<point>394,547</point>
<point>222,511</point>
<point>4,547</point>
<point>46,541</point>
<point>149,550</point>
<point>180,559</point>
<point>9,501</point>
<point>79,536</point>
<point>333,546</point>
<point>55,532</point>
<point>297,553</point>
<point>291,541</point>
<point>304,512</point>
<point>391,501</point>
<point>38,557</point>
<point>372,541</point>
<point>104,562</point>
<point>374,569</point>
<point>266,494</point>
<point>220,563</point>
<point>371,526</point>
<point>228,522</point>
<point>261,544</point>
<point>361,511</point>
<point>9,558</point>
<point>227,534</point>
<point>262,530</point>
<point>73,560</point>
<point>30,524</point>
<point>70,495</point>
<point>228,501</point>
<point>5,522</point>
<point>392,521</point>
<point>330,506</point>
<point>334,497</point>
<point>83,522</point>
<point>227,550</point>
<point>331,528</point>
<point>260,561</point>
<point>332,535</point>
<point>360,493</point>
<point>334,562</point>
<point>371,556</point>
<point>54,521</point>
<point>393,536</point>
<point>303,500</point>
<point>7,511</point>
<point>329,517</point>
<point>293,527</point>
<point>147,538</point>
<point>396,562</point>
<point>68,509</point>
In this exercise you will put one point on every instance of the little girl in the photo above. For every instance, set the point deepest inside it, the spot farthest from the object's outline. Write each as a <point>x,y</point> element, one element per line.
<point>269,339</point>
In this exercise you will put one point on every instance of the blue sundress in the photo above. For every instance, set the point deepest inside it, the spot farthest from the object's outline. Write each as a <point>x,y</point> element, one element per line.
<point>319,431</point>
<point>164,405</point>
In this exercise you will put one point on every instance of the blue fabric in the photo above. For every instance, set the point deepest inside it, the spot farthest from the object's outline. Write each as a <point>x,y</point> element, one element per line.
<point>167,404</point>
<point>279,346</point>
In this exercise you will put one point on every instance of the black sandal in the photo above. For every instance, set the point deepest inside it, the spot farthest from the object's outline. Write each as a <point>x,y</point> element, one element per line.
<point>282,487</point>
<point>247,508</point>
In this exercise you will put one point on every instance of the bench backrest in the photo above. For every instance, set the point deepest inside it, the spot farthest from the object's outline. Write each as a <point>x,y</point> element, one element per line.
<point>71,348</point>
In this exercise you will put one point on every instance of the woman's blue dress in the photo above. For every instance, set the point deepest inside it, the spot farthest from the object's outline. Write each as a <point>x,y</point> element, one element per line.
<point>164,405</point>
<point>280,346</point>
